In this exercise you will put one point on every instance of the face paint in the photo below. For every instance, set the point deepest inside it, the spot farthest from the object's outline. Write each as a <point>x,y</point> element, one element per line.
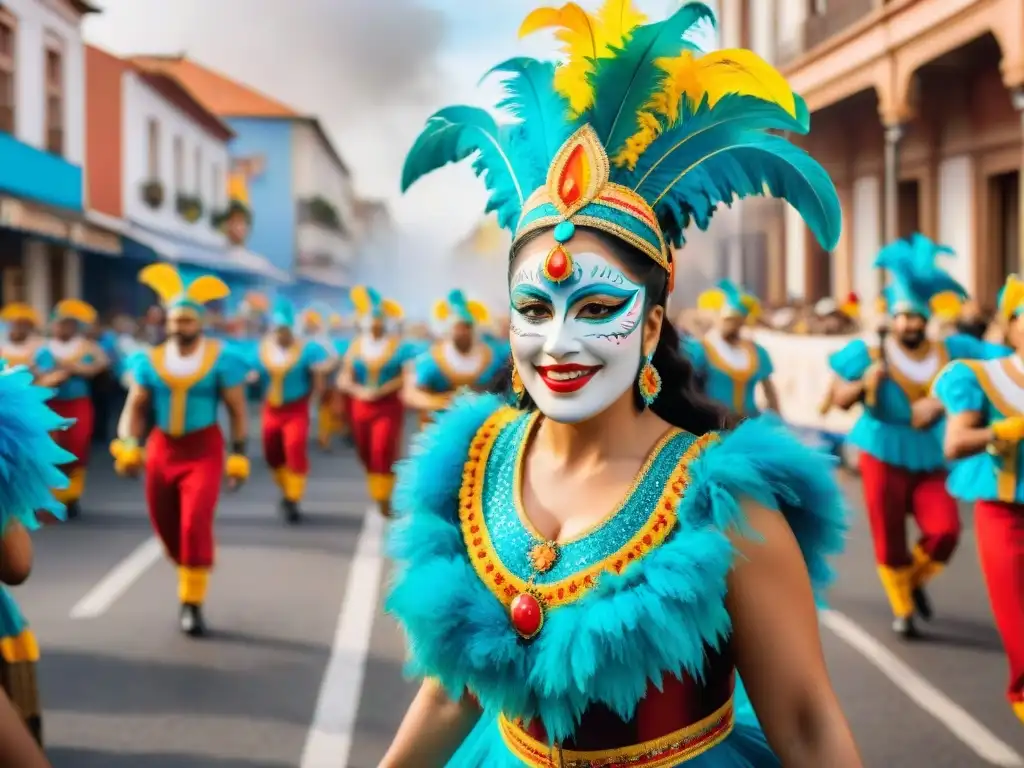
<point>577,343</point>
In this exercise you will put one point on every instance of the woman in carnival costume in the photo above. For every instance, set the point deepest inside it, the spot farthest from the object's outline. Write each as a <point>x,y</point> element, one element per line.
<point>29,460</point>
<point>291,376</point>
<point>78,361</point>
<point>184,380</point>
<point>372,378</point>
<point>732,368</point>
<point>899,433</point>
<point>463,359</point>
<point>984,401</point>
<point>554,628</point>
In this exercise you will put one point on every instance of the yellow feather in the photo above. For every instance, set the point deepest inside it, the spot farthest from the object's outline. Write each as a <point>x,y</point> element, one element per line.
<point>753,307</point>
<point>1013,296</point>
<point>714,75</point>
<point>164,280</point>
<point>392,309</point>
<point>76,309</point>
<point>946,305</point>
<point>312,318</point>
<point>712,300</point>
<point>441,310</point>
<point>478,311</point>
<point>207,288</point>
<point>360,299</point>
<point>19,311</point>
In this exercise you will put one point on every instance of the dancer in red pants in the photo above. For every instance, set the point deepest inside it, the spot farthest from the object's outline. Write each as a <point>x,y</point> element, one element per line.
<point>371,375</point>
<point>77,361</point>
<point>184,380</point>
<point>985,404</point>
<point>291,373</point>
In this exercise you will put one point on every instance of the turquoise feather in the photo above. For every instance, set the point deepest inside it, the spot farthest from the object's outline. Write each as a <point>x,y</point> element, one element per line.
<point>733,294</point>
<point>624,83</point>
<point>915,274</point>
<point>283,313</point>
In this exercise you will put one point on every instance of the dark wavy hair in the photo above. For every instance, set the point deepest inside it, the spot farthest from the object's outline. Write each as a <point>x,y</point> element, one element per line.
<point>681,402</point>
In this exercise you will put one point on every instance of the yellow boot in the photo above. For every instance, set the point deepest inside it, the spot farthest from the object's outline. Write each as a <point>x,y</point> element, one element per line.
<point>380,486</point>
<point>192,585</point>
<point>293,487</point>
<point>898,586</point>
<point>1018,710</point>
<point>71,495</point>
<point>924,570</point>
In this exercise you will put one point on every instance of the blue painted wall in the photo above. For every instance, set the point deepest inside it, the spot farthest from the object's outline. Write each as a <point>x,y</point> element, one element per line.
<point>31,173</point>
<point>274,223</point>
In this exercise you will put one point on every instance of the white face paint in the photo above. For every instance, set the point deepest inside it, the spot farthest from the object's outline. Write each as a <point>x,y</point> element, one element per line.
<point>577,345</point>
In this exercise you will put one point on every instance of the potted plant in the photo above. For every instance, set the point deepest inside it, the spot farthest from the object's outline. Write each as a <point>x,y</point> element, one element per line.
<point>190,208</point>
<point>153,193</point>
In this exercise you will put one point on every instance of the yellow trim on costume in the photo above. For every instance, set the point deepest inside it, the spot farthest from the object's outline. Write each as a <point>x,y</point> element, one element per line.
<point>374,368</point>
<point>504,584</point>
<point>740,377</point>
<point>192,584</point>
<point>913,390</point>
<point>1005,454</point>
<point>27,359</point>
<point>276,372</point>
<point>897,583</point>
<point>925,569</point>
<point>20,649</point>
<point>669,750</point>
<point>293,485</point>
<point>456,379</point>
<point>380,485</point>
<point>179,386</point>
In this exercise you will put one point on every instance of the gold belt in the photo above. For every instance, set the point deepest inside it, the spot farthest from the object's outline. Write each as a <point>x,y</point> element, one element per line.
<point>672,749</point>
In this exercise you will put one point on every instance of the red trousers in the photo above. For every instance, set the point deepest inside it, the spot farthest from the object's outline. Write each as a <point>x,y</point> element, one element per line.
<point>77,438</point>
<point>183,477</point>
<point>1000,531</point>
<point>891,494</point>
<point>377,431</point>
<point>286,436</point>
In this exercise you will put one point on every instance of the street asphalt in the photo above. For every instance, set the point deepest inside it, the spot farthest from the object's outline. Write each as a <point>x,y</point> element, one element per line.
<point>302,668</point>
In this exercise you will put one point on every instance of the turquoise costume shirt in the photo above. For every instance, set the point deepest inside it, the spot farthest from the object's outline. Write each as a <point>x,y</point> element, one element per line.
<point>189,402</point>
<point>734,386</point>
<point>995,389</point>
<point>883,429</point>
<point>289,377</point>
<point>40,358</point>
<point>440,371</point>
<point>341,345</point>
<point>374,372</point>
<point>75,387</point>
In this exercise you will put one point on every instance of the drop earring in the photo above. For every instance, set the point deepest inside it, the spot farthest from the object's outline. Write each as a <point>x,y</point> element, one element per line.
<point>649,382</point>
<point>517,383</point>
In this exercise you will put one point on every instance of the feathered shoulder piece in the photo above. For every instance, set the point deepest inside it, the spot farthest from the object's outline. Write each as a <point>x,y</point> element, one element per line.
<point>638,133</point>
<point>918,283</point>
<point>29,458</point>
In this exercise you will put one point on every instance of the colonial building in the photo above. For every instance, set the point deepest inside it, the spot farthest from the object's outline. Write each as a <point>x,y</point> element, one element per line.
<point>916,112</point>
<point>300,189</point>
<point>43,227</point>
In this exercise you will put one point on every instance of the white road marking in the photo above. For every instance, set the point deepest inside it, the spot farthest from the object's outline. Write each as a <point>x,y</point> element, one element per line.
<point>929,698</point>
<point>117,582</point>
<point>329,741</point>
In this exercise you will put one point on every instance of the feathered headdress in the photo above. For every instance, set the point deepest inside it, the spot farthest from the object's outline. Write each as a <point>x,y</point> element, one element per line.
<point>638,134</point>
<point>1011,298</point>
<point>19,311</point>
<point>729,298</point>
<point>851,306</point>
<point>283,313</point>
<point>457,307</point>
<point>75,309</point>
<point>916,279</point>
<point>369,304</point>
<point>175,296</point>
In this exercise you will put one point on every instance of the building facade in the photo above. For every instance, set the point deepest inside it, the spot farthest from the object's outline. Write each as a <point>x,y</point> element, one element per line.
<point>43,226</point>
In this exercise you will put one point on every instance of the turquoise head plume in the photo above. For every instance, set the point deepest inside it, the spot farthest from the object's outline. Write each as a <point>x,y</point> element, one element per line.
<point>282,314</point>
<point>638,134</point>
<point>728,298</point>
<point>915,278</point>
<point>370,305</point>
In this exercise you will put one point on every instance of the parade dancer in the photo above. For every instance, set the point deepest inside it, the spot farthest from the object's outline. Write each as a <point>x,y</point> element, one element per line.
<point>25,346</point>
<point>184,380</point>
<point>731,367</point>
<point>461,360</point>
<point>291,377</point>
<point>29,460</point>
<point>984,402</point>
<point>314,328</point>
<point>899,433</point>
<point>78,360</point>
<point>372,378</point>
<point>553,624</point>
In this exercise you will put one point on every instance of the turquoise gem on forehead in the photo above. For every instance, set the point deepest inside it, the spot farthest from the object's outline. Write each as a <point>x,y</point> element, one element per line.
<point>564,231</point>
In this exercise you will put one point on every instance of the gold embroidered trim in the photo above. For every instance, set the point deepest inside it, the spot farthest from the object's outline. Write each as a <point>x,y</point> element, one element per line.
<point>455,378</point>
<point>277,372</point>
<point>740,377</point>
<point>373,368</point>
<point>1004,454</point>
<point>179,386</point>
<point>504,584</point>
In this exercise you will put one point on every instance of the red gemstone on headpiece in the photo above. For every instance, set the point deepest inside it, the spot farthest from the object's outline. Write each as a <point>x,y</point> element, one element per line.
<point>557,265</point>
<point>527,615</point>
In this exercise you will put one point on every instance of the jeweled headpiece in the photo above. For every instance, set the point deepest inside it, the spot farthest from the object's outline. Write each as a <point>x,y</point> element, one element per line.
<point>917,284</point>
<point>175,296</point>
<point>638,134</point>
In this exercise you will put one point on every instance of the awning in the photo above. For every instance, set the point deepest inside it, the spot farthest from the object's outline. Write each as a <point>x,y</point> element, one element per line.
<point>332,277</point>
<point>259,265</point>
<point>65,227</point>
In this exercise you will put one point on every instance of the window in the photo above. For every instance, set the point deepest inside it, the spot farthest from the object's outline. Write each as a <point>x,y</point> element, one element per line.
<point>55,101</point>
<point>8,27</point>
<point>179,165</point>
<point>198,176</point>
<point>153,148</point>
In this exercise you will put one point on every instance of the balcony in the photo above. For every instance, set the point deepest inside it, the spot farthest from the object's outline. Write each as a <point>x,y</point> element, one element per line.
<point>820,26</point>
<point>39,176</point>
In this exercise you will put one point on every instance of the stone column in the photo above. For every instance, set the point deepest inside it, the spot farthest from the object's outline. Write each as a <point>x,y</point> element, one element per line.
<point>891,189</point>
<point>1017,96</point>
